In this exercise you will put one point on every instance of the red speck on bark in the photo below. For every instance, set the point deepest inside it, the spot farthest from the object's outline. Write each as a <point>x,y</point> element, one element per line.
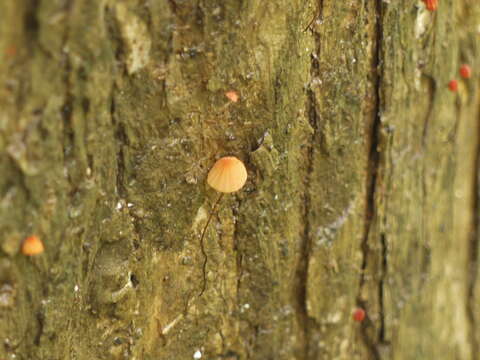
<point>453,85</point>
<point>432,5</point>
<point>465,71</point>
<point>359,315</point>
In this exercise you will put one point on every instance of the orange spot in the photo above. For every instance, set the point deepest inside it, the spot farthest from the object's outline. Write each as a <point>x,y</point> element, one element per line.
<point>227,175</point>
<point>432,5</point>
<point>453,85</point>
<point>11,50</point>
<point>465,71</point>
<point>359,315</point>
<point>232,96</point>
<point>32,245</point>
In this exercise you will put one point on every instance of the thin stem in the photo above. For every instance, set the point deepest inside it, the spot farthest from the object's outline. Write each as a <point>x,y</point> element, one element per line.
<point>202,246</point>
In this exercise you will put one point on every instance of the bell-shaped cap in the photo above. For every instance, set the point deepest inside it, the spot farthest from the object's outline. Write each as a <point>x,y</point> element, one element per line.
<point>32,245</point>
<point>227,175</point>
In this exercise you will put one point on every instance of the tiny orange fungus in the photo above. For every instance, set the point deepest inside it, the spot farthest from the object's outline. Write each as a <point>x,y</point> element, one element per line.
<point>465,71</point>
<point>232,96</point>
<point>453,85</point>
<point>431,5</point>
<point>32,245</point>
<point>11,50</point>
<point>359,315</point>
<point>227,175</point>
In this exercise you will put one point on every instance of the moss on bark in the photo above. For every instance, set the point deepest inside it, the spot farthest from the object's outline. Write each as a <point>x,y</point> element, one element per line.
<point>363,185</point>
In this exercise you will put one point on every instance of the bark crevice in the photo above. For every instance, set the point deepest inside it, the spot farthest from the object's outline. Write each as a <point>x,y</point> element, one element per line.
<point>105,108</point>
<point>202,245</point>
<point>305,321</point>
<point>431,91</point>
<point>381,289</point>
<point>121,139</point>
<point>31,22</point>
<point>371,342</point>
<point>302,271</point>
<point>67,107</point>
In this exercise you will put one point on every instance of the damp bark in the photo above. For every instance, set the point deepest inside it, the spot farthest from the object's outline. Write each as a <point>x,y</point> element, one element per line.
<point>363,186</point>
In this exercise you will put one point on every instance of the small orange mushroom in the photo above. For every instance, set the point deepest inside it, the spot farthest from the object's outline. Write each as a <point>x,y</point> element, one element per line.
<point>465,71</point>
<point>227,175</point>
<point>232,96</point>
<point>431,5</point>
<point>359,315</point>
<point>453,85</point>
<point>11,50</point>
<point>32,245</point>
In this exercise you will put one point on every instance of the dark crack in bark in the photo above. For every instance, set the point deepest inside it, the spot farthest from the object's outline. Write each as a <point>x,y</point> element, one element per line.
<point>431,88</point>
<point>67,107</point>
<point>202,245</point>
<point>370,211</point>
<point>31,23</point>
<point>39,333</point>
<point>431,92</point>
<point>305,322</point>
<point>381,289</point>
<point>301,287</point>
<point>318,15</point>
<point>122,140</point>
<point>119,128</point>
<point>237,252</point>
<point>302,270</point>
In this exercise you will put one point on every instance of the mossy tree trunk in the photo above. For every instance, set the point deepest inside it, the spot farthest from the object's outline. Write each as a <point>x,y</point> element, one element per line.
<point>363,185</point>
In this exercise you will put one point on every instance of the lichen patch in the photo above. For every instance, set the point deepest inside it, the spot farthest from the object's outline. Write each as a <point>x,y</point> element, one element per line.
<point>136,38</point>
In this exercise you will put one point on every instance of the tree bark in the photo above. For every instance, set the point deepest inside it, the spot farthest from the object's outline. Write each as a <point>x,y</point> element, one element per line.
<point>363,188</point>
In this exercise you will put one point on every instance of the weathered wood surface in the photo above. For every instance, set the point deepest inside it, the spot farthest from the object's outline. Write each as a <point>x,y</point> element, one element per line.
<point>363,185</point>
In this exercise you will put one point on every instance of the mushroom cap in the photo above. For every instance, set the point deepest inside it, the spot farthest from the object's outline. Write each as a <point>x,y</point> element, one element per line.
<point>465,71</point>
<point>453,85</point>
<point>232,96</point>
<point>359,315</point>
<point>32,245</point>
<point>227,175</point>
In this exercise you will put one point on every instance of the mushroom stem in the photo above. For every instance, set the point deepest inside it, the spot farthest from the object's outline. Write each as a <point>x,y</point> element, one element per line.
<point>204,286</point>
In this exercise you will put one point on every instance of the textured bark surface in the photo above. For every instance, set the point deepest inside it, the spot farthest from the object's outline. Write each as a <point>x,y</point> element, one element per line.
<point>363,186</point>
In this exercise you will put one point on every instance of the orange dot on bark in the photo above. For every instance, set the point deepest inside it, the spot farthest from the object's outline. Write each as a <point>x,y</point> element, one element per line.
<point>359,315</point>
<point>232,96</point>
<point>32,245</point>
<point>465,71</point>
<point>431,5</point>
<point>453,85</point>
<point>227,175</point>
